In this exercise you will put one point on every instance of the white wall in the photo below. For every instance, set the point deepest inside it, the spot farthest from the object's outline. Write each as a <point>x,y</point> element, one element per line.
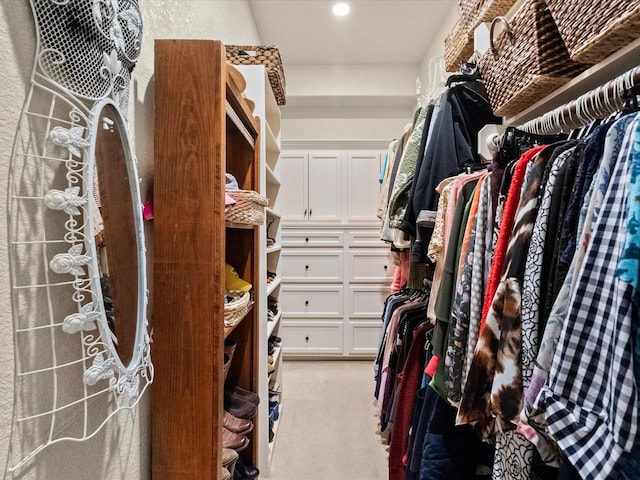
<point>122,449</point>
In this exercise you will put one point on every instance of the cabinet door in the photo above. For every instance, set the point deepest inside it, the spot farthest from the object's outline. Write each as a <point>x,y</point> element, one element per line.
<point>363,187</point>
<point>325,187</point>
<point>293,194</point>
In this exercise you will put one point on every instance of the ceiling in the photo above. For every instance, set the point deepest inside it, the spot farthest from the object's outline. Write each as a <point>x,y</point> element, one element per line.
<point>366,60</point>
<point>375,32</point>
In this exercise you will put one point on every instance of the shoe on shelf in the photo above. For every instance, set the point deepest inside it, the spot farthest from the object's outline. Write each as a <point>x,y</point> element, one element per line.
<point>270,368</point>
<point>229,458</point>
<point>225,474</point>
<point>245,471</point>
<point>233,440</point>
<point>239,407</point>
<point>229,347</point>
<point>245,394</point>
<point>235,424</point>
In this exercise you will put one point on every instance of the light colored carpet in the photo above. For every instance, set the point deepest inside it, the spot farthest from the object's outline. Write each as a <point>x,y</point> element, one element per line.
<point>328,424</point>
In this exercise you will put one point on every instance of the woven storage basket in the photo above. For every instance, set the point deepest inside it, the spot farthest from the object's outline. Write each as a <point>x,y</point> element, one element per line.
<point>527,61</point>
<point>248,209</point>
<point>267,55</point>
<point>474,12</point>
<point>236,310</point>
<point>592,30</point>
<point>458,47</point>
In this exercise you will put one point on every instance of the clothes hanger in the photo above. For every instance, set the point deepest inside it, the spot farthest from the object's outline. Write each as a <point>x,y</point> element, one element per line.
<point>469,72</point>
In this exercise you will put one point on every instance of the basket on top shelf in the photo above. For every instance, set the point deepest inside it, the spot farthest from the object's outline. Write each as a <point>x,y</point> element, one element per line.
<point>474,12</point>
<point>266,55</point>
<point>527,61</point>
<point>249,208</point>
<point>458,46</point>
<point>595,29</point>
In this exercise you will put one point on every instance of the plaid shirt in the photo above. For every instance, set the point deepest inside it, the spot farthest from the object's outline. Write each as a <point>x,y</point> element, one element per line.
<point>590,395</point>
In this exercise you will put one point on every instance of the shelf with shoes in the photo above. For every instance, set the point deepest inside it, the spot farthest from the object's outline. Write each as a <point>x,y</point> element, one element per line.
<point>266,109</point>
<point>204,129</point>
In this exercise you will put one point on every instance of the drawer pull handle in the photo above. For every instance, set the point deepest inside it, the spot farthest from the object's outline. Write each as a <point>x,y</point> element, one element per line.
<point>305,213</point>
<point>306,267</point>
<point>385,267</point>
<point>306,239</point>
<point>306,303</point>
<point>306,339</point>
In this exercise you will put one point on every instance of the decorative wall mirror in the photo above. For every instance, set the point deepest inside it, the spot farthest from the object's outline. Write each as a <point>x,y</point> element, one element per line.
<point>76,239</point>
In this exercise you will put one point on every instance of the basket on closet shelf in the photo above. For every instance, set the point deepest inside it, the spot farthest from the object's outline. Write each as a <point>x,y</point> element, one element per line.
<point>458,46</point>
<point>527,61</point>
<point>474,12</point>
<point>595,29</point>
<point>249,208</point>
<point>267,55</point>
<point>236,309</point>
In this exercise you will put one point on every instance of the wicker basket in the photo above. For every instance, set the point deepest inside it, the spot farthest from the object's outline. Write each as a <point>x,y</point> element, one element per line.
<point>458,47</point>
<point>236,310</point>
<point>248,209</point>
<point>593,30</point>
<point>474,12</point>
<point>269,56</point>
<point>527,61</point>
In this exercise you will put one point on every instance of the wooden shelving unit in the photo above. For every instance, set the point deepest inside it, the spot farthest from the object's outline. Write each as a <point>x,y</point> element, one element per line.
<point>203,129</point>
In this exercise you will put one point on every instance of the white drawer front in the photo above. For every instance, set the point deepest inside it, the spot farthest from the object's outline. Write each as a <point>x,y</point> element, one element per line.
<point>367,301</point>
<point>369,266</point>
<point>364,338</point>
<point>312,266</point>
<point>298,301</point>
<point>312,239</point>
<point>314,338</point>
<point>366,238</point>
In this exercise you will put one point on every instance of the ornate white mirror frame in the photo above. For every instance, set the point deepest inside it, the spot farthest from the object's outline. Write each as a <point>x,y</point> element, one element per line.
<point>71,374</point>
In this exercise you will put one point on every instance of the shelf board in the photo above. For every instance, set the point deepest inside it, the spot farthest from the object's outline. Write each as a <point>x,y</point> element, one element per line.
<point>273,324</point>
<point>271,177</point>
<point>616,64</point>
<point>273,285</point>
<point>229,330</point>
<point>277,356</point>
<point>273,249</point>
<point>273,213</point>
<point>239,226</point>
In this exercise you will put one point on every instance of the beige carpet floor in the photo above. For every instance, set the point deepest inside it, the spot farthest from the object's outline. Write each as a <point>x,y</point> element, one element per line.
<point>328,426</point>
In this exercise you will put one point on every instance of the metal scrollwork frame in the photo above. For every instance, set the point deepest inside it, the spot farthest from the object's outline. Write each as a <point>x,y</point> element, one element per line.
<point>86,51</point>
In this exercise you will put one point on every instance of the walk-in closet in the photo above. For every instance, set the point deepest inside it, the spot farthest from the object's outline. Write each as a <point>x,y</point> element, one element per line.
<point>320,239</point>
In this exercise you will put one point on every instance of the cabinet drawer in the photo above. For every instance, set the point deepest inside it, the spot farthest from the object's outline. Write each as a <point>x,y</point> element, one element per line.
<point>296,301</point>
<point>312,265</point>
<point>366,238</point>
<point>366,265</point>
<point>367,301</point>
<point>313,338</point>
<point>363,338</point>
<point>312,239</point>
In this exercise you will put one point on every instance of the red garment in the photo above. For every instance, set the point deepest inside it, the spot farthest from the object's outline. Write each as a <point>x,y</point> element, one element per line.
<point>401,272</point>
<point>408,383</point>
<point>508,217</point>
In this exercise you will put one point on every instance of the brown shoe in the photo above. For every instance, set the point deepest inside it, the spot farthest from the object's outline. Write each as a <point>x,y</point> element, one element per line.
<point>233,440</point>
<point>229,459</point>
<point>225,474</point>
<point>246,395</point>
<point>235,424</point>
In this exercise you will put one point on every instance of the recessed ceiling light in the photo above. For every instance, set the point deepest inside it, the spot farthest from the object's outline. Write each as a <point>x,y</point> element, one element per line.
<point>341,9</point>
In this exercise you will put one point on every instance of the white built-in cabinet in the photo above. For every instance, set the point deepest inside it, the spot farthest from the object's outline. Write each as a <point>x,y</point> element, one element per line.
<point>259,91</point>
<point>336,271</point>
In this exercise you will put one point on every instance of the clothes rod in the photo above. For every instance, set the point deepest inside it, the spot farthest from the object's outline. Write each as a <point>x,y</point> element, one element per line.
<point>593,105</point>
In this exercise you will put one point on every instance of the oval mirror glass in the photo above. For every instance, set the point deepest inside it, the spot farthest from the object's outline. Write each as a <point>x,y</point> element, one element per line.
<point>117,223</point>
